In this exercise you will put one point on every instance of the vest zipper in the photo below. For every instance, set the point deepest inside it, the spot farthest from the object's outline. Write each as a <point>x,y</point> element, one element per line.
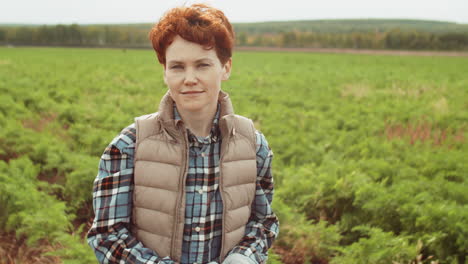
<point>181,194</point>
<point>221,190</point>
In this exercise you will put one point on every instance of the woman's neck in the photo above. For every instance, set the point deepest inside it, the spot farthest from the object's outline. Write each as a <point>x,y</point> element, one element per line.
<point>200,122</point>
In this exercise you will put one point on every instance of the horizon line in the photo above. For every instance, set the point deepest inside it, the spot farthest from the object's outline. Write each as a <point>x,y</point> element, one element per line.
<point>243,22</point>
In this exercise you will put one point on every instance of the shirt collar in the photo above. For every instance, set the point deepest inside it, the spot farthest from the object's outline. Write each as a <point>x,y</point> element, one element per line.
<point>214,133</point>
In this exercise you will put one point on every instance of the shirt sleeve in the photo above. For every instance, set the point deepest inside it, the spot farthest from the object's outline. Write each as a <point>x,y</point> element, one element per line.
<point>263,225</point>
<point>110,236</point>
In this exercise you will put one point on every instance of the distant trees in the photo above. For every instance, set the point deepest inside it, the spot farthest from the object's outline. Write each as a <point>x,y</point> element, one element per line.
<point>75,35</point>
<point>137,36</point>
<point>393,39</point>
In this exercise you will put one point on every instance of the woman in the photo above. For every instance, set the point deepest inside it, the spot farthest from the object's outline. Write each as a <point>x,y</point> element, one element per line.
<point>192,182</point>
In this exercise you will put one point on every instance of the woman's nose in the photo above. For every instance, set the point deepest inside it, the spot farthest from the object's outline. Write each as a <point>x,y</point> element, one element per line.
<point>190,77</point>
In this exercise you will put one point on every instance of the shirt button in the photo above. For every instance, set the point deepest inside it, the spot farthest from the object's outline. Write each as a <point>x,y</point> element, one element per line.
<point>197,229</point>
<point>200,191</point>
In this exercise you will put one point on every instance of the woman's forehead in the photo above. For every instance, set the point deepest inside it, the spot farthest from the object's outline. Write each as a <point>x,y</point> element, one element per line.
<point>181,50</point>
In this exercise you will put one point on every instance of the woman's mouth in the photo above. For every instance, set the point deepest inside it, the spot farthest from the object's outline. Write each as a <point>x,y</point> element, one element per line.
<point>191,92</point>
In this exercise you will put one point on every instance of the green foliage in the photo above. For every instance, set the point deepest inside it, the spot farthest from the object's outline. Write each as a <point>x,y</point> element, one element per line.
<point>377,247</point>
<point>28,211</point>
<point>74,250</point>
<point>79,181</point>
<point>369,151</point>
<point>273,258</point>
<point>304,239</point>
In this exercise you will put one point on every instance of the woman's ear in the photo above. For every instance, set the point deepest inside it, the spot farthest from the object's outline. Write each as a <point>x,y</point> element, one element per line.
<point>227,69</point>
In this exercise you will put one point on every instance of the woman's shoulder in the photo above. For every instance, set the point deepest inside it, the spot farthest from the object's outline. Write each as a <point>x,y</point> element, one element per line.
<point>147,116</point>
<point>262,147</point>
<point>126,138</point>
<point>261,142</point>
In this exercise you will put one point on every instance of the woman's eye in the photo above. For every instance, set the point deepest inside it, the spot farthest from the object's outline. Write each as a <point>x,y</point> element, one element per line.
<point>203,65</point>
<point>177,67</point>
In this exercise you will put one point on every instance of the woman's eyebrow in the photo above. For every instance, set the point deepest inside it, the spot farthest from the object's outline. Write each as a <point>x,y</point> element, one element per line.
<point>175,62</point>
<point>196,61</point>
<point>203,59</point>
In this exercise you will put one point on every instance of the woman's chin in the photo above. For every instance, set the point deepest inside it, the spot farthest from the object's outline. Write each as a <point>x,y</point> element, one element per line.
<point>191,106</point>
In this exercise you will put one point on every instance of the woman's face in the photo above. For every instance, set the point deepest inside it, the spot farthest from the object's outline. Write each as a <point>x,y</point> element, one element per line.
<point>193,75</point>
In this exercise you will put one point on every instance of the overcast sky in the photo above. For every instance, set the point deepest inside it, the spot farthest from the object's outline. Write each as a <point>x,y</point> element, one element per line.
<point>149,11</point>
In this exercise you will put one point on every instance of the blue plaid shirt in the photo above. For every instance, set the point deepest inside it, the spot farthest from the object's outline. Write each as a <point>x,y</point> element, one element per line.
<point>111,239</point>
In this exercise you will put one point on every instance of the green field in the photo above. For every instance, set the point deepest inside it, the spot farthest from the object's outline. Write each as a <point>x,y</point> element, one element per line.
<point>370,151</point>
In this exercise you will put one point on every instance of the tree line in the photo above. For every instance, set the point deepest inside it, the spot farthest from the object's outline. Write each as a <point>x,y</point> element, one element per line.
<point>396,39</point>
<point>136,36</point>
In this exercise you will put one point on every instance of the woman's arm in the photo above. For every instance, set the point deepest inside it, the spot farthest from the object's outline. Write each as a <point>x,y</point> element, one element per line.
<point>263,225</point>
<point>110,235</point>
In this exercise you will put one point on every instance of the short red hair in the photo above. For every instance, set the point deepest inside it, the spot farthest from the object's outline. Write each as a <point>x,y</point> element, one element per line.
<point>197,23</point>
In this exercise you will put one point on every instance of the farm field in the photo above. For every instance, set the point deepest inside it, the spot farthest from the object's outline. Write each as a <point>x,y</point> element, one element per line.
<point>370,151</point>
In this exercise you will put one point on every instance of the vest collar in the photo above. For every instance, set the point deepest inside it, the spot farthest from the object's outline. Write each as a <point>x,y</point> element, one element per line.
<point>226,115</point>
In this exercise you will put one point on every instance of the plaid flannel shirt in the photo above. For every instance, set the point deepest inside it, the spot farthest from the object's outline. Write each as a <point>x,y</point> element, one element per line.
<point>110,235</point>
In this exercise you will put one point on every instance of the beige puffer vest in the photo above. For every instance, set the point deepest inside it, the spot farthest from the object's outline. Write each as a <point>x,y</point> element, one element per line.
<point>161,164</point>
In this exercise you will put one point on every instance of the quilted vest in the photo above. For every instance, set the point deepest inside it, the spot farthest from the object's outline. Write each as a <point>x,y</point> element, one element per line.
<point>161,165</point>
